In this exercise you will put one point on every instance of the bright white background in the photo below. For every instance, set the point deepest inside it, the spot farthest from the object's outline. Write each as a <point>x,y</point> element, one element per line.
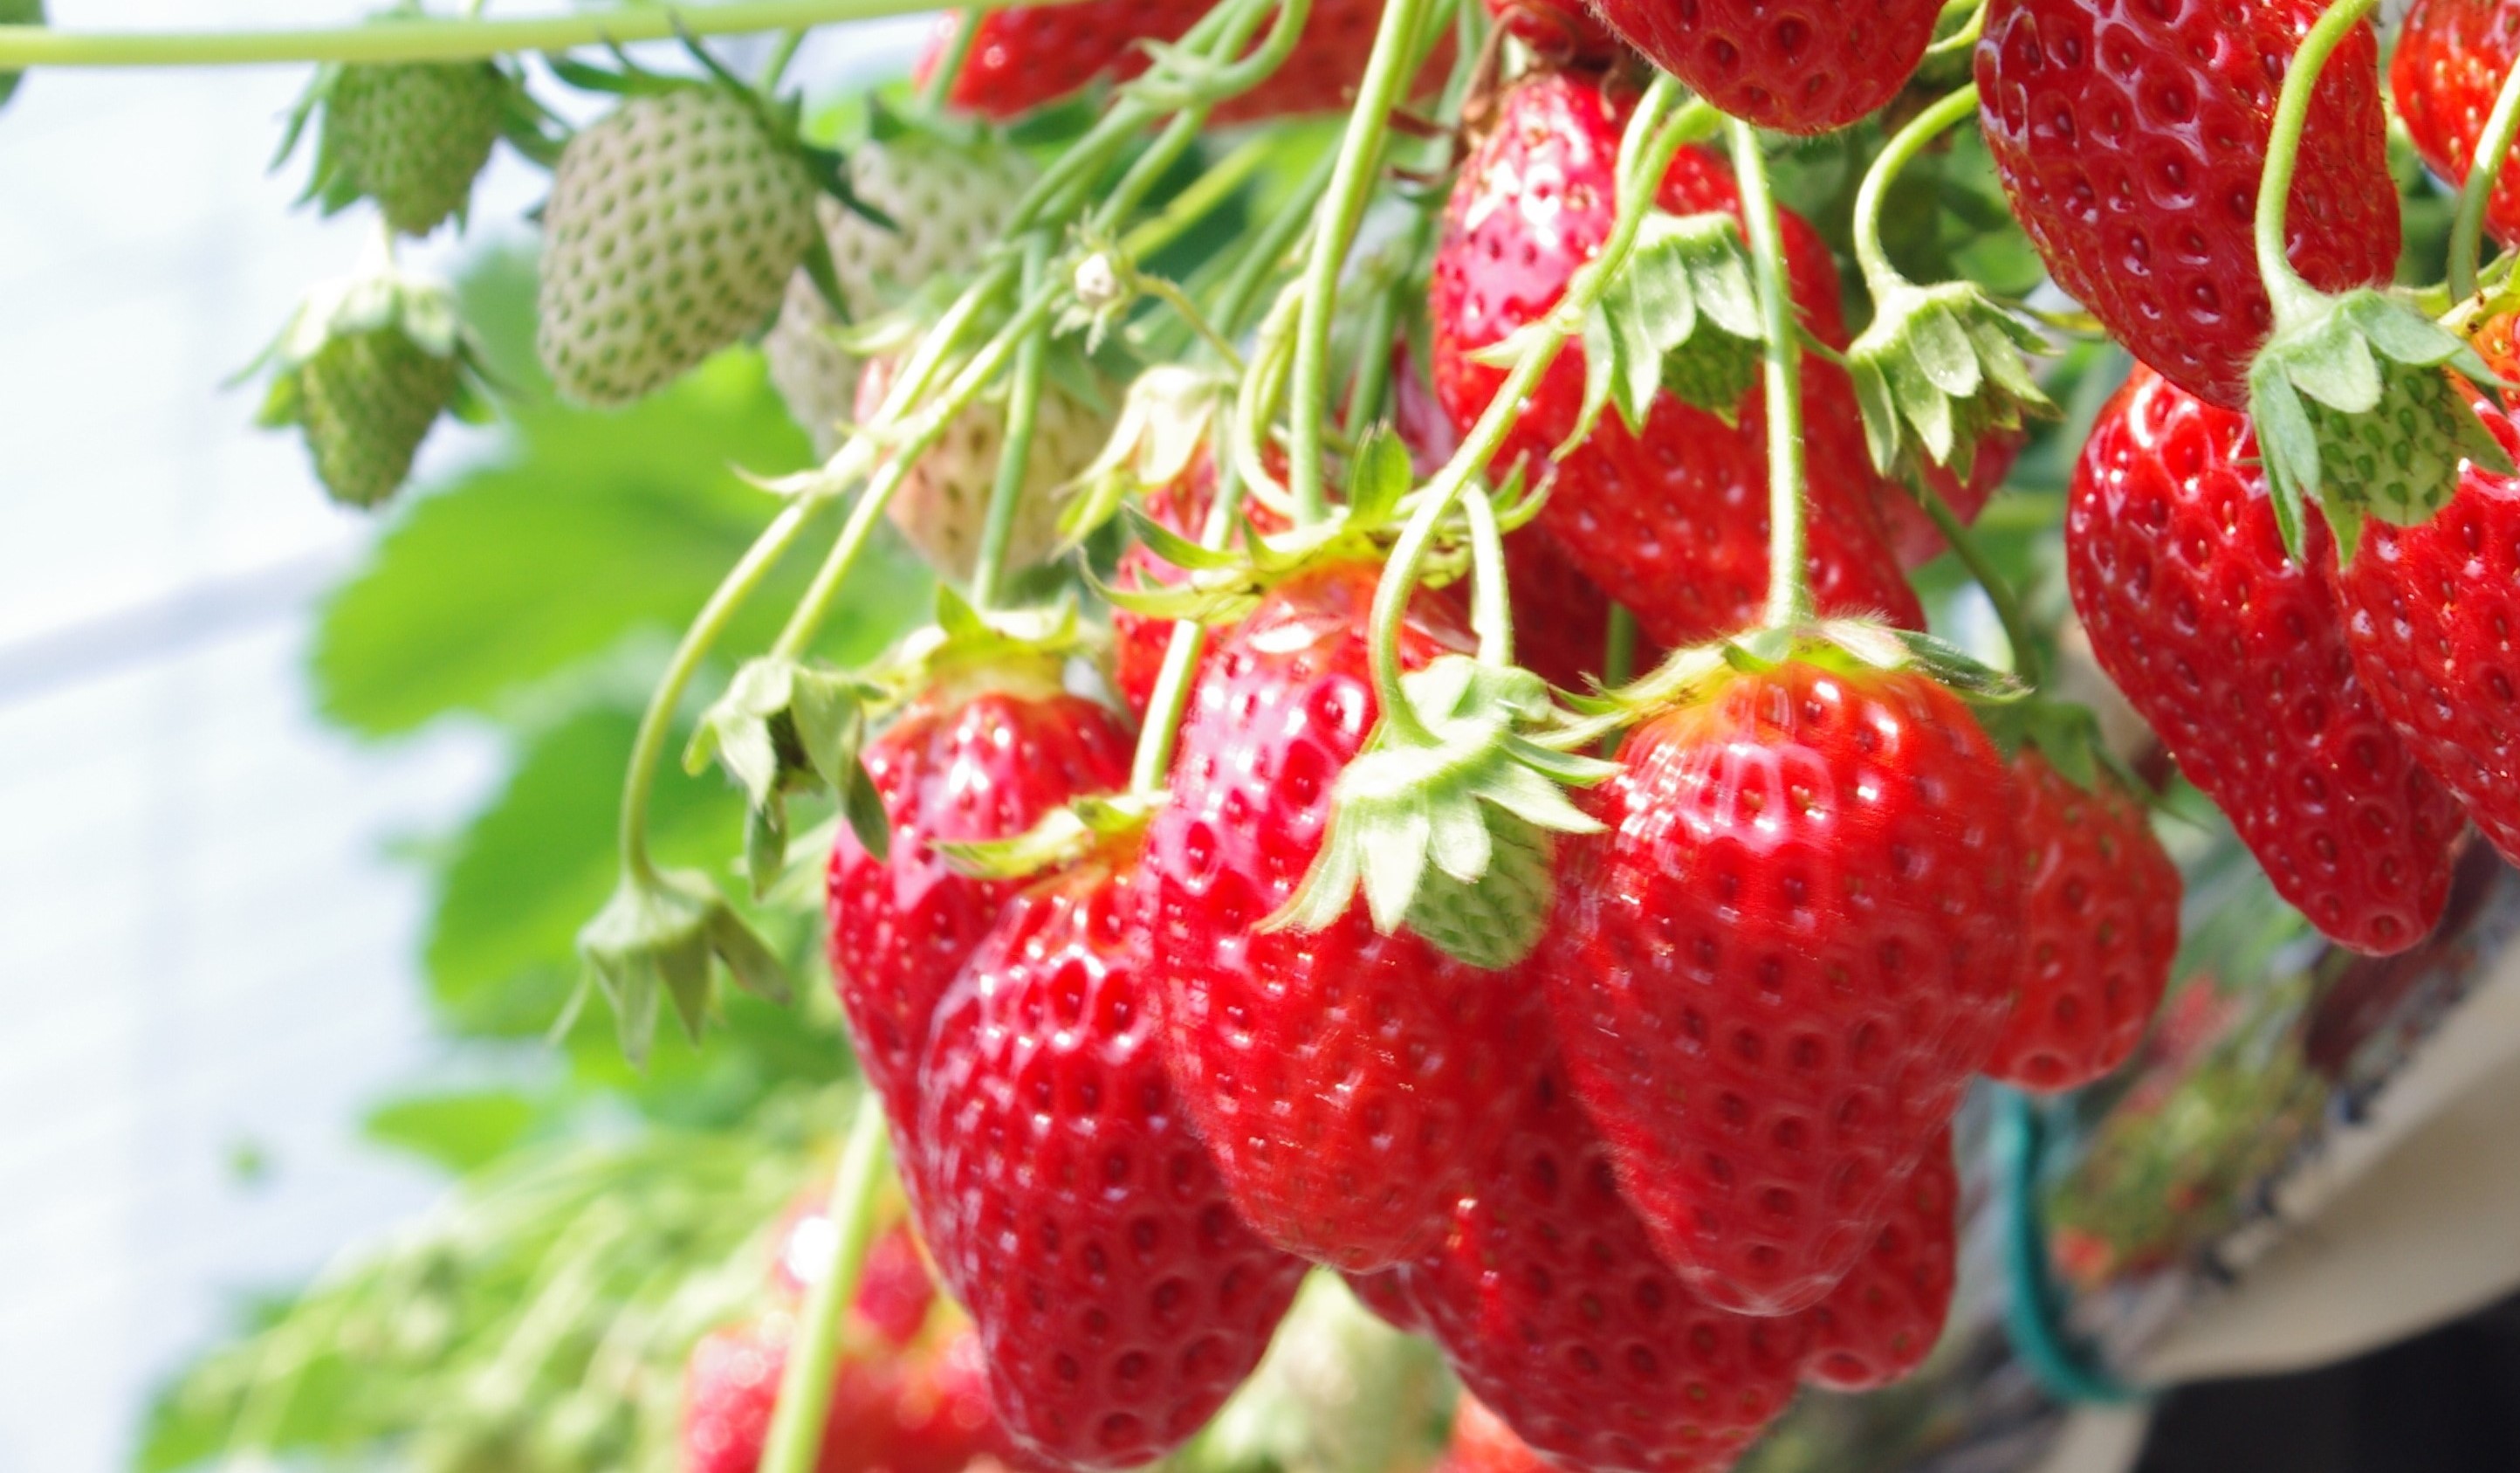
<point>205,945</point>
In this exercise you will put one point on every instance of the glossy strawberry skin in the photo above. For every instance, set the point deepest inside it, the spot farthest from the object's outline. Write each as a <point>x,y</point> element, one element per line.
<point>1795,65</point>
<point>2428,613</point>
<point>1025,56</point>
<point>1348,1081</point>
<point>1139,643</point>
<point>1118,1298</point>
<point>2451,60</point>
<point>2131,138</point>
<point>959,762</point>
<point>2101,918</point>
<point>1672,521</point>
<point>888,1415</point>
<point>1551,1304</point>
<point>2237,656</point>
<point>1775,974</point>
<point>1481,1443</point>
<point>1561,619</point>
<point>1884,1317</point>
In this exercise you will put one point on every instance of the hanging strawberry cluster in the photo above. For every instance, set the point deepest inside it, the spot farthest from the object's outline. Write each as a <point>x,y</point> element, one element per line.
<point>1340,893</point>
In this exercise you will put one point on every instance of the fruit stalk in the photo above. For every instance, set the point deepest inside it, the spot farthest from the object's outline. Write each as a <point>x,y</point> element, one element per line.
<point>1789,597</point>
<point>1171,694</point>
<point>1024,405</point>
<point>2294,299</point>
<point>2467,228</point>
<point>795,1437</point>
<point>1387,71</point>
<point>1880,278</point>
<point>2026,660</point>
<point>24,47</point>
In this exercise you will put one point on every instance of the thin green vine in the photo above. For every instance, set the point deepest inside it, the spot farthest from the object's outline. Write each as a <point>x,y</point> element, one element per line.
<point>1789,597</point>
<point>948,63</point>
<point>795,1440</point>
<point>1015,455</point>
<point>1880,277</point>
<point>2293,298</point>
<point>2493,147</point>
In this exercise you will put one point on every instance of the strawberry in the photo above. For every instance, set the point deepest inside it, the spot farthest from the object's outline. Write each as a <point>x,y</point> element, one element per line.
<point>1561,619</point>
<point>673,227</point>
<point>411,136</point>
<point>1347,1080</point>
<point>2451,60</point>
<point>2238,658</point>
<point>1139,642</point>
<point>947,201</point>
<point>1118,1298</point>
<point>1551,1304</point>
<point>1912,533</point>
<point>942,505</point>
<point>1386,1292</point>
<point>1671,522</point>
<point>2131,141</point>
<point>894,1292</point>
<point>983,756</point>
<point>893,1414</point>
<point>1560,29</point>
<point>2426,613</point>
<point>1883,1319</point>
<point>365,368</point>
<point>1805,67</point>
<point>2101,919</point>
<point>1024,56</point>
<point>1776,973</point>
<point>1481,1443</point>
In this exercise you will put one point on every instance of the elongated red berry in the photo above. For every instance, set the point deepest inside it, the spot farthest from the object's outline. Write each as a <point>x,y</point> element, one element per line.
<point>1551,1304</point>
<point>1348,1081</point>
<point>984,757</point>
<point>2429,614</point>
<point>2101,919</point>
<point>1884,1317</point>
<point>1795,65</point>
<point>1776,973</point>
<point>2237,656</point>
<point>1118,1298</point>
<point>2451,60</point>
<point>1669,520</point>
<point>2130,139</point>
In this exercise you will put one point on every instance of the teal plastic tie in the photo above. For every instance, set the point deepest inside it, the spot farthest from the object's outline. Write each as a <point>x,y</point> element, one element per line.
<point>2034,1314</point>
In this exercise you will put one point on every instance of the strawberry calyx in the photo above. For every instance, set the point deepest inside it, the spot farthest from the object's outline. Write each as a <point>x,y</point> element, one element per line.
<point>1937,370</point>
<point>2068,735</point>
<point>663,934</point>
<point>784,726</point>
<point>1169,415</point>
<point>381,296</point>
<point>1103,829</point>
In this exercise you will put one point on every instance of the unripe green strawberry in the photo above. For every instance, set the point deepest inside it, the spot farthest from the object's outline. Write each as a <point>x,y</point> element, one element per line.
<point>410,137</point>
<point>947,203</point>
<point>365,369</point>
<point>672,229</point>
<point>943,504</point>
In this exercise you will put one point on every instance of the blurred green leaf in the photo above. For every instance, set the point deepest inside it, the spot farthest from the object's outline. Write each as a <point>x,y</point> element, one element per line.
<point>457,1131</point>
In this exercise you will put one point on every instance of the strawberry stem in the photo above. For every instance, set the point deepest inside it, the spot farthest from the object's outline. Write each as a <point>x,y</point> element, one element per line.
<point>2028,662</point>
<point>949,65</point>
<point>2294,299</point>
<point>1171,695</point>
<point>1880,277</point>
<point>2467,229</point>
<point>1790,598</point>
<point>1387,72</point>
<point>1619,648</point>
<point>24,47</point>
<point>1015,455</point>
<point>795,1440</point>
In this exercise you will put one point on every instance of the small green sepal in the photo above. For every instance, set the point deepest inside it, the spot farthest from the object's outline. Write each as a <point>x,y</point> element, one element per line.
<point>2357,411</point>
<point>1165,422</point>
<point>1065,835</point>
<point>785,727</point>
<point>1938,369</point>
<point>657,939</point>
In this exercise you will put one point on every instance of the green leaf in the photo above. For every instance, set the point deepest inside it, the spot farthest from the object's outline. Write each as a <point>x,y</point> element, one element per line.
<point>457,1132</point>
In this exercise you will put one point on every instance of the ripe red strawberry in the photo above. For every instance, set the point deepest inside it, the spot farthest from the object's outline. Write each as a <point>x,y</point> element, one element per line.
<point>1481,1443</point>
<point>2451,60</point>
<point>1912,533</point>
<point>2428,613</point>
<point>1348,1081</point>
<point>1118,1298</point>
<point>2100,918</point>
<point>1883,1319</point>
<point>2130,140</point>
<point>1803,66</point>
<point>1025,56</point>
<point>1564,30</point>
<point>1139,642</point>
<point>1561,619</point>
<point>982,756</point>
<point>888,1414</point>
<point>1551,1304</point>
<point>894,1292</point>
<point>1775,974</point>
<point>1673,522</point>
<point>1386,1292</point>
<point>2237,656</point>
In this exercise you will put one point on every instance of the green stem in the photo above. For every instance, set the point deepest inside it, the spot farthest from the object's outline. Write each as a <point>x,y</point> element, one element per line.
<point>1619,648</point>
<point>1171,696</point>
<point>2026,660</point>
<point>958,49</point>
<point>1373,380</point>
<point>1491,610</point>
<point>1386,76</point>
<point>1789,599</point>
<point>2493,147</point>
<point>795,1441</point>
<point>780,57</point>
<point>1204,194</point>
<point>1880,278</point>
<point>2293,298</point>
<point>1268,249</point>
<point>657,724</point>
<point>434,40</point>
<point>1964,39</point>
<point>1015,455</point>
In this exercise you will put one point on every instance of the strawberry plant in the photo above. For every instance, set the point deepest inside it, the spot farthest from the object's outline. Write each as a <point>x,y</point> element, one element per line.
<point>1332,619</point>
